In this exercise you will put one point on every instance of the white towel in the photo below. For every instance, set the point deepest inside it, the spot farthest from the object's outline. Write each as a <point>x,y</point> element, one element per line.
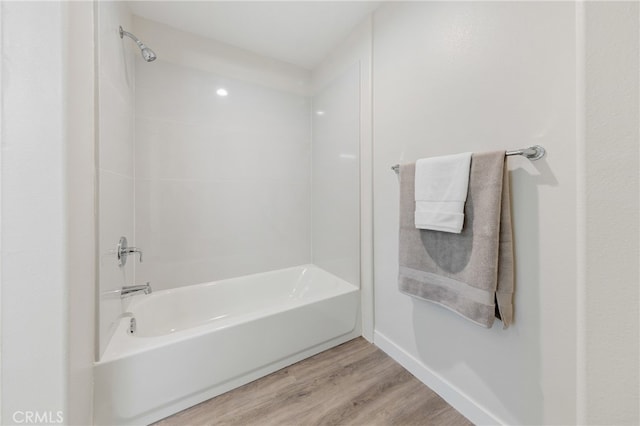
<point>441,185</point>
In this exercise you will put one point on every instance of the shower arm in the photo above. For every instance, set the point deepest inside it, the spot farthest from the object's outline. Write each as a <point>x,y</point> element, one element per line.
<point>132,37</point>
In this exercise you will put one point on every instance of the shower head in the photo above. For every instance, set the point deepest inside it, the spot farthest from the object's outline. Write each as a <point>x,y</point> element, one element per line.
<point>147,54</point>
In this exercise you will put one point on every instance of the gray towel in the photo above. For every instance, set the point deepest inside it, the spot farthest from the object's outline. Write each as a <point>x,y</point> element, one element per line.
<point>468,272</point>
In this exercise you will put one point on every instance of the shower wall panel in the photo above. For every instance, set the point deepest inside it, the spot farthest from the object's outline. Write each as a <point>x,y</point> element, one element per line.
<point>115,158</point>
<point>336,182</point>
<point>222,182</point>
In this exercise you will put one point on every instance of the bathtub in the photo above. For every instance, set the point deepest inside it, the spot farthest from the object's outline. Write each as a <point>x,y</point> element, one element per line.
<point>193,343</point>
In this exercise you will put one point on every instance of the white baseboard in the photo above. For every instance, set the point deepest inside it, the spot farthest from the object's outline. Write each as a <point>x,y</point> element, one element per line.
<point>454,396</point>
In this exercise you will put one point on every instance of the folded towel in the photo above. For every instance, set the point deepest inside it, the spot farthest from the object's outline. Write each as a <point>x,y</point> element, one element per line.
<point>441,189</point>
<point>468,272</point>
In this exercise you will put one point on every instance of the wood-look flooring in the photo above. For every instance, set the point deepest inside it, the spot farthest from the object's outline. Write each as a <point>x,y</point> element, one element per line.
<point>352,384</point>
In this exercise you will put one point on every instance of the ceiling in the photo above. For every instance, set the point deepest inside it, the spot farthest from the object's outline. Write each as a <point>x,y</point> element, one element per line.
<point>298,32</point>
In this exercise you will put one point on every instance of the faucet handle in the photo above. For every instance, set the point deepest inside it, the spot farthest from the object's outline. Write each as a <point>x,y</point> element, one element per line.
<point>133,250</point>
<point>123,250</point>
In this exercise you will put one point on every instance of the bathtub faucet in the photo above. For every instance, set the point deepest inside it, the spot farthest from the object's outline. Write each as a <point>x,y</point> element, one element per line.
<point>132,290</point>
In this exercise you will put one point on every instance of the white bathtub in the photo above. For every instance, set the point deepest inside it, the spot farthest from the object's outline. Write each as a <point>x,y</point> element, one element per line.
<point>196,342</point>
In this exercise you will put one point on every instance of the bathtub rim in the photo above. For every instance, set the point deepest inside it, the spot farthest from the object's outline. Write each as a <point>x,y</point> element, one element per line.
<point>142,344</point>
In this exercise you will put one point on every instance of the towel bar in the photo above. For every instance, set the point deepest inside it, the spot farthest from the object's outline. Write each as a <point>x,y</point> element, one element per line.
<point>533,153</point>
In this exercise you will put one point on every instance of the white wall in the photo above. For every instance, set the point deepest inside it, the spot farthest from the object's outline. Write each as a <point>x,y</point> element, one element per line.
<point>116,111</point>
<point>48,226</point>
<point>223,184</point>
<point>335,171</point>
<point>47,183</point>
<point>81,221</point>
<point>609,319</point>
<point>479,76</point>
<point>33,243</point>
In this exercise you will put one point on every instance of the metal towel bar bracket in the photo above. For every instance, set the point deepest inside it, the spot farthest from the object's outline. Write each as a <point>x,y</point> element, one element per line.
<point>533,153</point>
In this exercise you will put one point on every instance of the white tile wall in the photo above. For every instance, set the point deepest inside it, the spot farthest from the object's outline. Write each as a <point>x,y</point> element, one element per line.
<point>336,169</point>
<point>116,129</point>
<point>115,157</point>
<point>222,183</point>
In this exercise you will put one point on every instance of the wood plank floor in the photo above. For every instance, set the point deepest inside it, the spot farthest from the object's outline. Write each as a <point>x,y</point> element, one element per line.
<point>352,384</point>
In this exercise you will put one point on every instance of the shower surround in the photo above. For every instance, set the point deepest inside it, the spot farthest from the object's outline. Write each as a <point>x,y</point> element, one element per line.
<point>222,182</point>
<point>236,167</point>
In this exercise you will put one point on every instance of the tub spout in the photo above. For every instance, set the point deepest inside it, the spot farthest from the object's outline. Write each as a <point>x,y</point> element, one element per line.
<point>132,290</point>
